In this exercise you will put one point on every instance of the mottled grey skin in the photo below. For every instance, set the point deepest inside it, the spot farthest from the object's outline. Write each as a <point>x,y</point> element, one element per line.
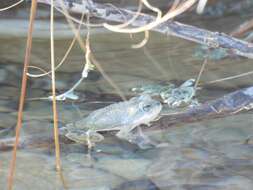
<point>153,89</point>
<point>122,116</point>
<point>174,96</point>
<point>184,94</point>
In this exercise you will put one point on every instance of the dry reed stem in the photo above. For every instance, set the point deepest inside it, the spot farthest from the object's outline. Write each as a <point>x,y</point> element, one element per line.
<point>22,95</point>
<point>243,28</point>
<point>177,29</point>
<point>143,42</point>
<point>169,15</point>
<point>156,64</point>
<point>83,47</point>
<point>55,114</point>
<point>11,6</point>
<point>200,73</point>
<point>155,9</point>
<point>230,78</point>
<point>135,16</point>
<point>201,6</point>
<point>44,73</point>
<point>174,5</point>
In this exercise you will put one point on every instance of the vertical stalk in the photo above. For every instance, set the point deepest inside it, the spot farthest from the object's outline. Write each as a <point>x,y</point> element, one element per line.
<point>22,94</point>
<point>55,114</point>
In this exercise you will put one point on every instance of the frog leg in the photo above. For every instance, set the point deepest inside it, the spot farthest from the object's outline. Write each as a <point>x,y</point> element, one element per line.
<point>142,140</point>
<point>83,137</point>
<point>125,132</point>
<point>75,136</point>
<point>89,142</point>
<point>194,102</point>
<point>138,138</point>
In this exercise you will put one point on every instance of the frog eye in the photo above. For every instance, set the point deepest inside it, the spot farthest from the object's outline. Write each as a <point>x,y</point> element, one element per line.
<point>146,107</point>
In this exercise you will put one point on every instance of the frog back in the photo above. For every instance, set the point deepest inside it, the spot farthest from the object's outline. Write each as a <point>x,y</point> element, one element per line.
<point>111,117</point>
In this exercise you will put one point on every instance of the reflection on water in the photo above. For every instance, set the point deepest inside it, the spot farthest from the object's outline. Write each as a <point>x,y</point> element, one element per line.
<point>207,155</point>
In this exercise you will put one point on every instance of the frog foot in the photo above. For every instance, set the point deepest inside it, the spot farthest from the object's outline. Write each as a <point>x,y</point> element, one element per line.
<point>143,141</point>
<point>123,134</point>
<point>138,138</point>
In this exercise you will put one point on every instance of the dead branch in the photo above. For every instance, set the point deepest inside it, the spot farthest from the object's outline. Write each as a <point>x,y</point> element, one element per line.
<point>229,104</point>
<point>191,33</point>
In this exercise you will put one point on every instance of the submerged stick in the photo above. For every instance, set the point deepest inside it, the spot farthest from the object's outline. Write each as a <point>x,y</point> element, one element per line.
<point>23,94</point>
<point>243,28</point>
<point>191,33</point>
<point>229,104</point>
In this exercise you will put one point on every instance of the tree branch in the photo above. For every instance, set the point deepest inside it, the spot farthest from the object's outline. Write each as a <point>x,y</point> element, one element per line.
<point>191,33</point>
<point>229,104</point>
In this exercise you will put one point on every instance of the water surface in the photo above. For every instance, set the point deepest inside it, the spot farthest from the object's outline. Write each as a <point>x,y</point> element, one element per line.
<point>206,155</point>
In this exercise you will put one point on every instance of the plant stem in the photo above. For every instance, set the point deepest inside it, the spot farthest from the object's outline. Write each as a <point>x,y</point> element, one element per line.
<point>22,95</point>
<point>55,114</point>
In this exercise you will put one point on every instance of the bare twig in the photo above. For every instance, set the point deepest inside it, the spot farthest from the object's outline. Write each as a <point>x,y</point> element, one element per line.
<point>231,77</point>
<point>11,6</point>
<point>200,73</point>
<point>243,28</point>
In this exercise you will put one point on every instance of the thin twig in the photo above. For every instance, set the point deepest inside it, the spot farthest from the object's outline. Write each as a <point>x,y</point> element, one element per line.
<point>44,73</point>
<point>11,6</point>
<point>230,78</point>
<point>83,47</point>
<point>200,73</point>
<point>22,95</point>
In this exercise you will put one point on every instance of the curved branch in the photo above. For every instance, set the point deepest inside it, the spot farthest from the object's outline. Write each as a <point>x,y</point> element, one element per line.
<point>191,33</point>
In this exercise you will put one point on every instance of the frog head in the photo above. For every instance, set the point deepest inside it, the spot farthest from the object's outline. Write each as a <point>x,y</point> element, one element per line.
<point>188,83</point>
<point>144,109</point>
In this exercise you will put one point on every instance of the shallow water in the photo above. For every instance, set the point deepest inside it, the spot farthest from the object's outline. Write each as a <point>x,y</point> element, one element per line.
<point>206,155</point>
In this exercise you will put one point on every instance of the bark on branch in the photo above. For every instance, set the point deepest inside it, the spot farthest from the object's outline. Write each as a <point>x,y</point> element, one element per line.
<point>229,104</point>
<point>191,33</point>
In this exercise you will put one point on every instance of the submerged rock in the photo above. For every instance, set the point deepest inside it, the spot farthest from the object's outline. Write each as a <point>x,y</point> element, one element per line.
<point>130,169</point>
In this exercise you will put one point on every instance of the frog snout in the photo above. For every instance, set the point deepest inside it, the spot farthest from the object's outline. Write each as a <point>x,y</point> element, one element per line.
<point>158,105</point>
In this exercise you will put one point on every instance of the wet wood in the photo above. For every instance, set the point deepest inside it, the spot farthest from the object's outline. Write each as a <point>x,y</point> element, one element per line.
<point>227,105</point>
<point>188,32</point>
<point>243,28</point>
<point>232,103</point>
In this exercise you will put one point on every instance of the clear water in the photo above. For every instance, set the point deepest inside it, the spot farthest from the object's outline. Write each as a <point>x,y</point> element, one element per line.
<point>206,155</point>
